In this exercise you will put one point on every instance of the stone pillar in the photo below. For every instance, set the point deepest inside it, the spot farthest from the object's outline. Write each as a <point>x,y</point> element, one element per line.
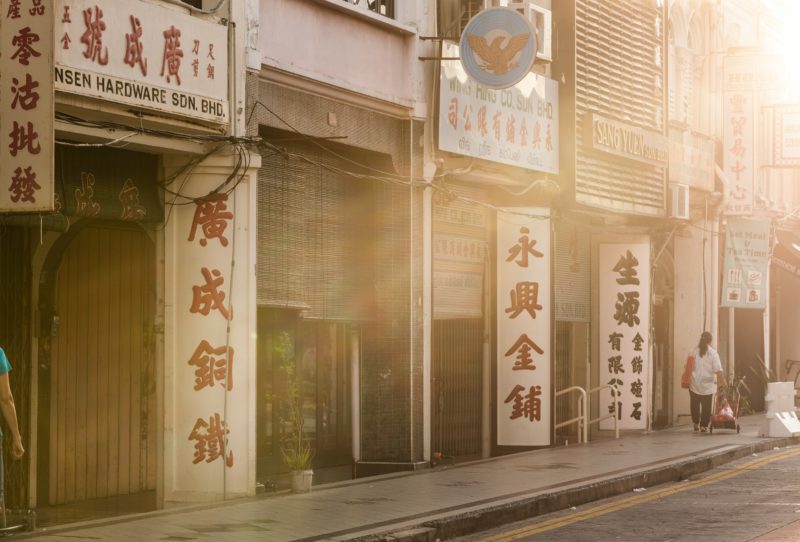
<point>209,369</point>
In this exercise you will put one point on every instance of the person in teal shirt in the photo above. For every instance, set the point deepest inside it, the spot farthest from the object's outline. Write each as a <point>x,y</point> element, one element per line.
<point>9,411</point>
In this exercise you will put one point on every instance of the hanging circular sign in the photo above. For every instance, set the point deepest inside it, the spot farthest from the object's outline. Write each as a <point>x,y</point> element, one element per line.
<point>498,47</point>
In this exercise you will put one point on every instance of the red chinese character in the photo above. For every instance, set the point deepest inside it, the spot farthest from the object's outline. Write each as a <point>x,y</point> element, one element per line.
<point>23,138</point>
<point>65,40</point>
<point>548,139</point>
<point>523,248</point>
<point>172,54</point>
<point>84,196</point>
<point>134,47</point>
<point>129,198</point>
<point>212,216</point>
<point>196,47</point>
<point>511,130</point>
<point>213,365</point>
<point>527,406</point>
<point>524,297</point>
<point>210,71</point>
<point>24,95</point>
<point>93,37</point>
<point>37,9</point>
<point>13,10</point>
<point>210,51</point>
<point>496,125</point>
<point>24,43</point>
<point>23,185</point>
<point>537,135</point>
<point>452,113</point>
<point>467,118</point>
<point>738,125</point>
<point>523,134</point>
<point>522,348</point>
<point>482,127</point>
<point>65,16</point>
<point>212,440</point>
<point>207,297</point>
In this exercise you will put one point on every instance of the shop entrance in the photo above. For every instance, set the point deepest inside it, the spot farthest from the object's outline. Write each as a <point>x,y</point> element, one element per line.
<point>97,400</point>
<point>321,353</point>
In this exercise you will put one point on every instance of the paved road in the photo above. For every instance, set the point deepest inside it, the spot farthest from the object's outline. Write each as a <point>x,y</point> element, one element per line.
<point>756,498</point>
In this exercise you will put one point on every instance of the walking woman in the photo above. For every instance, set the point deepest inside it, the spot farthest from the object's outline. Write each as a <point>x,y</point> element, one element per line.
<point>701,390</point>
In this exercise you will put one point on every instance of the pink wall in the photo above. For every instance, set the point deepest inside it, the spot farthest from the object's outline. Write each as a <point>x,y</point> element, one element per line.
<point>313,40</point>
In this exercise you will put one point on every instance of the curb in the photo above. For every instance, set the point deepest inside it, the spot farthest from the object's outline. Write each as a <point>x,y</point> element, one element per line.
<point>492,516</point>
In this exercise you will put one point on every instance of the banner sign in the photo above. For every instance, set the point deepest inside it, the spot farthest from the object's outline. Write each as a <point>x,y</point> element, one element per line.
<point>524,399</point>
<point>746,258</point>
<point>26,101</point>
<point>624,338</point>
<point>738,144</point>
<point>517,126</point>
<point>142,54</point>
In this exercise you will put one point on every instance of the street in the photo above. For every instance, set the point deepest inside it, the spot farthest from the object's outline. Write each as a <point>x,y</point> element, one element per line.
<point>754,498</point>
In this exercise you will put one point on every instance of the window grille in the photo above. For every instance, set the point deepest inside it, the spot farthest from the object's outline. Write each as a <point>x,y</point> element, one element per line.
<point>381,7</point>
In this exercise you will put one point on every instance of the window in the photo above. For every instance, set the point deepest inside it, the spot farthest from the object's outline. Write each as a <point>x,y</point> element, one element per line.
<point>381,7</point>
<point>455,14</point>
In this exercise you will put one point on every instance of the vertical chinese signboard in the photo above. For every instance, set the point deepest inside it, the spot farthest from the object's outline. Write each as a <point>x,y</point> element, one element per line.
<point>26,106</point>
<point>211,345</point>
<point>738,158</point>
<point>745,77</point>
<point>144,55</point>
<point>624,332</point>
<point>524,311</point>
<point>746,259</point>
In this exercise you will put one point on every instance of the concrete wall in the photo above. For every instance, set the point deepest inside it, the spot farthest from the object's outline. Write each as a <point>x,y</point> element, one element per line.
<point>374,56</point>
<point>689,309</point>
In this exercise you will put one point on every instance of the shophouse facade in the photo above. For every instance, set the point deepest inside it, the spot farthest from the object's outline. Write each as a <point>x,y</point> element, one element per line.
<point>132,339</point>
<point>341,102</point>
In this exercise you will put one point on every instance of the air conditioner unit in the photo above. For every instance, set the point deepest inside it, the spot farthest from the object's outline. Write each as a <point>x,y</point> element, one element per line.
<point>542,20</point>
<point>678,201</point>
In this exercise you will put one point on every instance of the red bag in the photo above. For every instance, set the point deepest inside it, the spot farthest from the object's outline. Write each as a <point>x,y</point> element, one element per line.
<point>686,377</point>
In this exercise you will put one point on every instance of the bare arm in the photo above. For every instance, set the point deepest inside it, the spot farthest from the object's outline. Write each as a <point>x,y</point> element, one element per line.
<point>721,380</point>
<point>10,415</point>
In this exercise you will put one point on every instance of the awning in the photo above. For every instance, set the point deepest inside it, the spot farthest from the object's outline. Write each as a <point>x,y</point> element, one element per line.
<point>786,255</point>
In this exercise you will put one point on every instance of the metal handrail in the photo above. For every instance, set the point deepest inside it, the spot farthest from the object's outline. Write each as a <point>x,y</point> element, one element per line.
<point>615,396</point>
<point>580,419</point>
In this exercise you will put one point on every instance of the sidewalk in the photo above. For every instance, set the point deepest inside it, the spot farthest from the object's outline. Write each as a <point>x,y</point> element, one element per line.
<point>442,502</point>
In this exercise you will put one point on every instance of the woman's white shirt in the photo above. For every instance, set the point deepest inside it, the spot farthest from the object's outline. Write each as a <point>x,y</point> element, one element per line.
<point>705,371</point>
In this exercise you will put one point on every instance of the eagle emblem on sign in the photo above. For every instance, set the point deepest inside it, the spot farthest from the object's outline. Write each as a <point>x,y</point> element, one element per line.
<point>497,57</point>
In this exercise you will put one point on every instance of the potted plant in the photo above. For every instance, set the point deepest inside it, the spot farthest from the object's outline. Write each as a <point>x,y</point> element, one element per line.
<point>296,451</point>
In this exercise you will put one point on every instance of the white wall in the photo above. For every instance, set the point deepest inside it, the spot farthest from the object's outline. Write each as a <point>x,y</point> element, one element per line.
<point>689,279</point>
<point>357,53</point>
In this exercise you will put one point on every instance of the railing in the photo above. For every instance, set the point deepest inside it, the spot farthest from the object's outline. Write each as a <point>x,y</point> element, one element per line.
<point>580,419</point>
<point>615,403</point>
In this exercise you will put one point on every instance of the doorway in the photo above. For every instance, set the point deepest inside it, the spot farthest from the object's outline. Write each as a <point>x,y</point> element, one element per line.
<point>97,401</point>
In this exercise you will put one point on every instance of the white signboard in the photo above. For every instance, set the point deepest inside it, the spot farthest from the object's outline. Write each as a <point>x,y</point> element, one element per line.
<point>142,54</point>
<point>624,339</point>
<point>786,135</point>
<point>517,126</point>
<point>524,413</point>
<point>738,150</point>
<point>26,102</point>
<point>753,73</point>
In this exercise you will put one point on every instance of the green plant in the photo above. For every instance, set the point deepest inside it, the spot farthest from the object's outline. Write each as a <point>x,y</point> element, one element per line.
<point>296,451</point>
